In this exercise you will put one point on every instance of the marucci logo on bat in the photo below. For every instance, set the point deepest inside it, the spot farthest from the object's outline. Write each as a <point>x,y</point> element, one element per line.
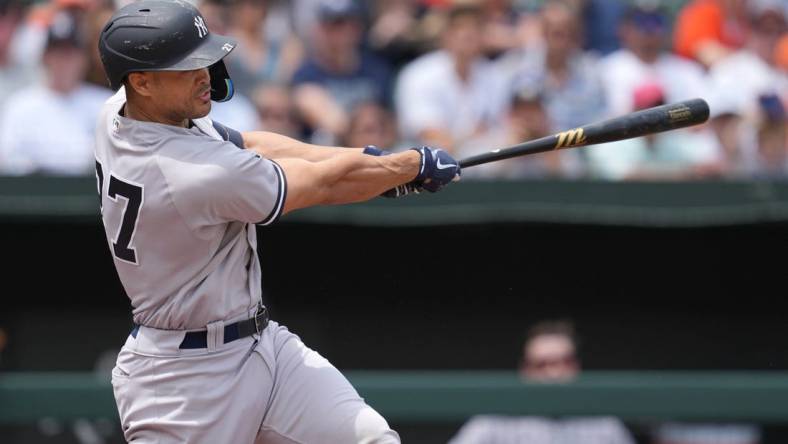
<point>567,139</point>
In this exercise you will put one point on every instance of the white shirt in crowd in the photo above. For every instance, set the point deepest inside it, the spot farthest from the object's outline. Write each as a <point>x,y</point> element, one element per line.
<point>239,113</point>
<point>670,153</point>
<point>42,131</point>
<point>739,79</point>
<point>535,430</point>
<point>623,72</point>
<point>430,94</point>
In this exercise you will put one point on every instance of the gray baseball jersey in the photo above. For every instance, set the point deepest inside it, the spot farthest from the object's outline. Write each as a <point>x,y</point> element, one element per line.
<point>179,207</point>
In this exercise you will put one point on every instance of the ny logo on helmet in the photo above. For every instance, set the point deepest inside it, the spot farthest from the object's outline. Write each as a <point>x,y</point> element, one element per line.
<point>199,23</point>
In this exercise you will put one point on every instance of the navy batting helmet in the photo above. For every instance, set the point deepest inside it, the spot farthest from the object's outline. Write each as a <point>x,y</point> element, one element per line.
<point>164,35</point>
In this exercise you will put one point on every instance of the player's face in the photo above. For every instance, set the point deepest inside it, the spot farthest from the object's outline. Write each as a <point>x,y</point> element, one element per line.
<point>181,95</point>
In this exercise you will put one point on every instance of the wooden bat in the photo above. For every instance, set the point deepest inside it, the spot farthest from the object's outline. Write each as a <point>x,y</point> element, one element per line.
<point>640,123</point>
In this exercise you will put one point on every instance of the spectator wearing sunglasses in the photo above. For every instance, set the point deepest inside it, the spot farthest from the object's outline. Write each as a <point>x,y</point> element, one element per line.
<point>549,355</point>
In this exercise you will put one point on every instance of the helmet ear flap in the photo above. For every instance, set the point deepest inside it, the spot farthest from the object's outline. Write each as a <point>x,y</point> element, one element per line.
<point>222,88</point>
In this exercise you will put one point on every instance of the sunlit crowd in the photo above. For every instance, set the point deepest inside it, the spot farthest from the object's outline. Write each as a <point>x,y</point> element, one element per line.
<point>463,75</point>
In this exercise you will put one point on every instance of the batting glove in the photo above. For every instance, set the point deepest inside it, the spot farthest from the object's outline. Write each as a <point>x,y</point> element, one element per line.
<point>438,168</point>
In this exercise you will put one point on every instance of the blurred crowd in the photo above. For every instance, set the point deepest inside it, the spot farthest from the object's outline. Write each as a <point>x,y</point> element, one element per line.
<point>464,75</point>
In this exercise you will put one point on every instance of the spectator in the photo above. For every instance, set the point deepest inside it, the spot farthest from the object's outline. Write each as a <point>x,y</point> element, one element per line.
<point>709,30</point>
<point>727,123</point>
<point>215,13</point>
<point>568,78</point>
<point>526,120</point>
<point>772,138</point>
<point>453,94</point>
<point>752,71</point>
<point>17,69</point>
<point>239,113</point>
<point>678,433</point>
<point>600,20</point>
<point>65,104</point>
<point>645,58</point>
<point>371,124</point>
<point>502,27</point>
<point>673,155</point>
<point>402,30</point>
<point>781,54</point>
<point>549,356</point>
<point>93,21</point>
<point>275,110</point>
<point>742,84</point>
<point>338,74</point>
<point>258,57</point>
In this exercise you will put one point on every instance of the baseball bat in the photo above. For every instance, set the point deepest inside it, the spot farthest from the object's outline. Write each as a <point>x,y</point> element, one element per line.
<point>640,123</point>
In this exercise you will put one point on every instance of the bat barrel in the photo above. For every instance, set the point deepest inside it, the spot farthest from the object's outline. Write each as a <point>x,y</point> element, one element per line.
<point>648,121</point>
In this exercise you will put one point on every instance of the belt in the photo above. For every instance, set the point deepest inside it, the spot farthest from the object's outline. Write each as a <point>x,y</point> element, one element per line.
<point>238,330</point>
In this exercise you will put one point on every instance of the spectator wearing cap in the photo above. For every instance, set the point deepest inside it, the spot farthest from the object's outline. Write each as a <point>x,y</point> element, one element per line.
<point>549,356</point>
<point>674,155</point>
<point>452,95</point>
<point>752,71</point>
<point>749,85</point>
<point>276,111</point>
<point>338,73</point>
<point>48,128</point>
<point>567,77</point>
<point>645,58</point>
<point>761,137</point>
<point>526,119</point>
<point>371,124</point>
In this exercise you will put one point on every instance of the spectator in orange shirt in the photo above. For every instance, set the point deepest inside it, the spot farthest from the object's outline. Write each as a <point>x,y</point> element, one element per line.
<point>708,30</point>
<point>781,54</point>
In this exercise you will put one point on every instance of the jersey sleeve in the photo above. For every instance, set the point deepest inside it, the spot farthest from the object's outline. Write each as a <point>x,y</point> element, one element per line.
<point>228,134</point>
<point>220,183</point>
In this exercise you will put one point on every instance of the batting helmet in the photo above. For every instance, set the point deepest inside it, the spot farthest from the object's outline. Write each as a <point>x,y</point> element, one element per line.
<point>164,35</point>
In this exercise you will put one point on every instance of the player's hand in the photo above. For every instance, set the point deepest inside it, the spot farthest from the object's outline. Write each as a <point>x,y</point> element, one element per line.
<point>438,168</point>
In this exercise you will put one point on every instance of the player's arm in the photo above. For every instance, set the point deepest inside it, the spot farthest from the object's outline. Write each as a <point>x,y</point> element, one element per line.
<point>276,146</point>
<point>354,177</point>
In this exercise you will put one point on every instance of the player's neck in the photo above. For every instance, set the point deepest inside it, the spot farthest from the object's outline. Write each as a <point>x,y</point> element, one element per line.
<point>134,110</point>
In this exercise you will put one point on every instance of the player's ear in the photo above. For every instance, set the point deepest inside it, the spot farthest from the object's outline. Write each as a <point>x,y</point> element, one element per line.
<point>140,82</point>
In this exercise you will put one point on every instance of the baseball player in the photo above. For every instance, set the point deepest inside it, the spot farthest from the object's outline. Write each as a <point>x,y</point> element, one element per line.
<point>180,197</point>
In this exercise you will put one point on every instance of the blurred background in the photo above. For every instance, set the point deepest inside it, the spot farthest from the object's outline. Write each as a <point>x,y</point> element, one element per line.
<point>623,293</point>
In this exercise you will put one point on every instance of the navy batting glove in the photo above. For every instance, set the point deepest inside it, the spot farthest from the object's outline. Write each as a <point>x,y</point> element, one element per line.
<point>438,168</point>
<point>403,190</point>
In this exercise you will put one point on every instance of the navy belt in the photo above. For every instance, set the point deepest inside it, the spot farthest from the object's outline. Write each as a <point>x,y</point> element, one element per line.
<point>238,330</point>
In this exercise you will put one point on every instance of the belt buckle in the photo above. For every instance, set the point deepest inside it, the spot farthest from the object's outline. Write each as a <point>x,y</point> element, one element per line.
<point>260,318</point>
